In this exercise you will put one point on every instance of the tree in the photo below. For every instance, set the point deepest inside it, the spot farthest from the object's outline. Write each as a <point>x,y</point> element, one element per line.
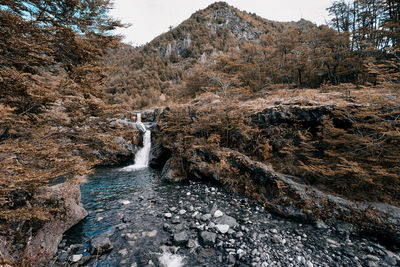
<point>49,73</point>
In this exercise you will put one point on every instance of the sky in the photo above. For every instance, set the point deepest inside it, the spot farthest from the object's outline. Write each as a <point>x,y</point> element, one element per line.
<point>150,18</point>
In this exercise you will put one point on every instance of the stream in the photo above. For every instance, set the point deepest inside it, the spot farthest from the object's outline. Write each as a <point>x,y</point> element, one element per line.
<point>135,219</point>
<point>151,223</point>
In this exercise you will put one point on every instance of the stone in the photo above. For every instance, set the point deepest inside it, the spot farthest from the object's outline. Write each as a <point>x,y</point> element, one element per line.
<point>176,220</point>
<point>69,212</point>
<point>321,225</point>
<point>372,258</point>
<point>76,258</point>
<point>125,202</point>
<point>123,252</point>
<point>191,243</point>
<point>222,228</point>
<point>332,242</point>
<point>309,264</point>
<point>150,233</point>
<point>225,219</point>
<point>231,259</point>
<point>181,212</point>
<point>239,234</point>
<point>63,257</point>
<point>208,238</point>
<point>390,260</point>
<point>100,245</point>
<point>168,215</point>
<point>218,213</point>
<point>180,238</point>
<point>206,217</point>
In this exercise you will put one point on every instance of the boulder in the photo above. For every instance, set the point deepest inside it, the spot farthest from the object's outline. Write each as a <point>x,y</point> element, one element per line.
<point>171,171</point>
<point>227,220</point>
<point>66,198</point>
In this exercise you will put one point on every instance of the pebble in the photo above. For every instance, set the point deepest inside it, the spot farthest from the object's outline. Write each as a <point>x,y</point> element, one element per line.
<point>123,252</point>
<point>125,202</point>
<point>206,217</point>
<point>372,257</point>
<point>76,257</point>
<point>181,212</point>
<point>222,228</point>
<point>218,214</point>
<point>211,236</point>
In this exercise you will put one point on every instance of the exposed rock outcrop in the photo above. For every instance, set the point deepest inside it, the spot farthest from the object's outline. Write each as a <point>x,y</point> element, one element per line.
<point>283,195</point>
<point>124,152</point>
<point>43,237</point>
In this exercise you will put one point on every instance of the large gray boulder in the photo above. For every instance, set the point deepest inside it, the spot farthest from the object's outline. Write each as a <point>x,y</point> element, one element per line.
<point>67,197</point>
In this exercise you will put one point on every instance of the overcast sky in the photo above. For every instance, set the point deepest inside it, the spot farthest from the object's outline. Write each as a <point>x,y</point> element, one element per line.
<point>150,18</point>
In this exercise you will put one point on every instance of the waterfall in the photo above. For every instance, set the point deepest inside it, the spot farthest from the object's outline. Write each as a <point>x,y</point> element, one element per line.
<point>143,155</point>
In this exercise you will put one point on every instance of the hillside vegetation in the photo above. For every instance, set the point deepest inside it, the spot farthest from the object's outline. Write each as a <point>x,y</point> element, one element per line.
<point>222,46</point>
<point>252,67</point>
<point>318,104</point>
<point>52,115</point>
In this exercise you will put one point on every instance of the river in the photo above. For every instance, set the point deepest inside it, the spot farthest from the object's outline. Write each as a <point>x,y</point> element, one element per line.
<point>151,223</point>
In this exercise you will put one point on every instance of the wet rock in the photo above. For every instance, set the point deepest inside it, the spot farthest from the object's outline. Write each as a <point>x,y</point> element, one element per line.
<point>123,252</point>
<point>63,257</point>
<point>321,225</point>
<point>390,260</point>
<point>372,258</point>
<point>125,202</point>
<point>75,258</point>
<point>85,258</point>
<point>100,245</point>
<point>208,238</point>
<point>180,238</point>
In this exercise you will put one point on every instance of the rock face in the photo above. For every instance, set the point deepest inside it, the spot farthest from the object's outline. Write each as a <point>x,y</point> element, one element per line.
<point>178,47</point>
<point>67,198</point>
<point>281,114</point>
<point>108,157</point>
<point>227,18</point>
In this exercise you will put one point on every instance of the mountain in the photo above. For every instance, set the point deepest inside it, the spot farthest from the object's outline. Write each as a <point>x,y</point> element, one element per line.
<point>161,69</point>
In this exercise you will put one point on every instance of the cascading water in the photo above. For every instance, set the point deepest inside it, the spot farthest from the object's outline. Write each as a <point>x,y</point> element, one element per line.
<point>143,155</point>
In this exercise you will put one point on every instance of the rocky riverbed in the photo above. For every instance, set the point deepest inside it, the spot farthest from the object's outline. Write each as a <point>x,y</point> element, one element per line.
<point>137,220</point>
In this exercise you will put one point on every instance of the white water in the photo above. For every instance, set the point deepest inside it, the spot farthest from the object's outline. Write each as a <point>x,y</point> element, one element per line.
<point>171,260</point>
<point>143,155</point>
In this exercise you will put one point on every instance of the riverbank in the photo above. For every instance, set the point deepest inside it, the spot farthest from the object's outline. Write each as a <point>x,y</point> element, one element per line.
<point>146,222</point>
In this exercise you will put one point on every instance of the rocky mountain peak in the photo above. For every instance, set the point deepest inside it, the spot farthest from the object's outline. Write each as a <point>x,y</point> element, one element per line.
<point>216,23</point>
